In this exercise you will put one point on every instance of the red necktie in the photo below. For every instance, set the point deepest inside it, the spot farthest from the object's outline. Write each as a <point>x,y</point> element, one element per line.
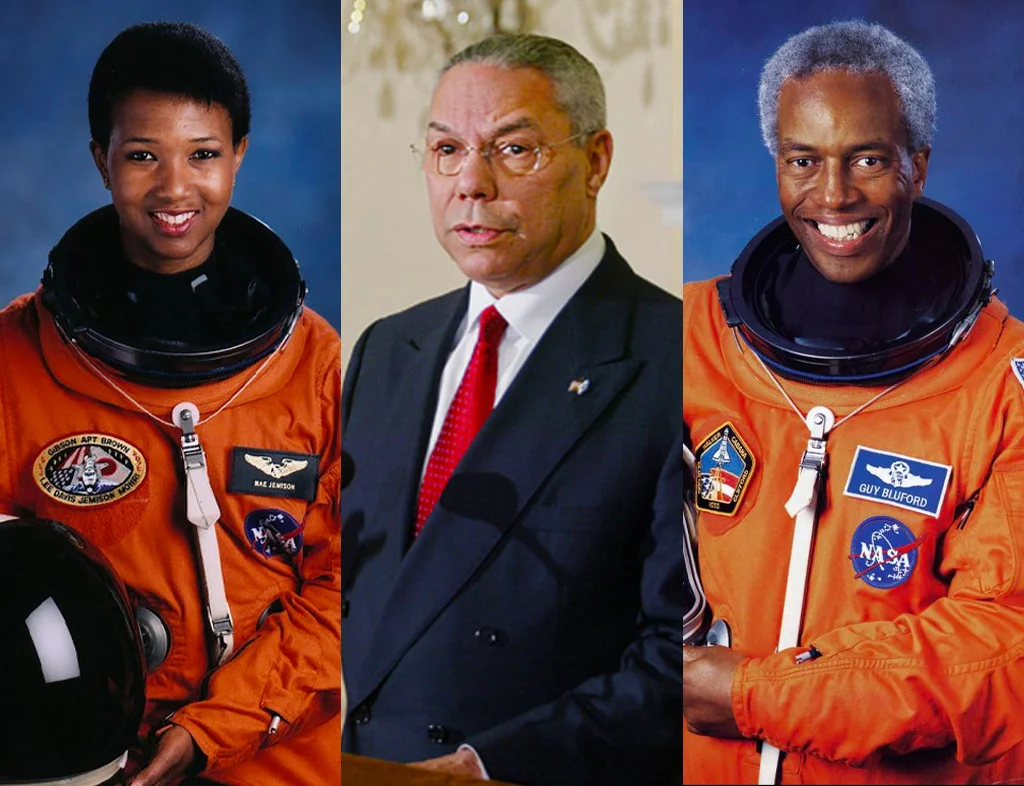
<point>473,402</point>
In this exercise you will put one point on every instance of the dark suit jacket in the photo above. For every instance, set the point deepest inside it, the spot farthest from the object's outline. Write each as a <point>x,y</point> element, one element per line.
<point>538,616</point>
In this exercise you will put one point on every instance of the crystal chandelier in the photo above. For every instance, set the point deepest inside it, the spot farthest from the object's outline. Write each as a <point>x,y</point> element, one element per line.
<point>416,33</point>
<point>392,37</point>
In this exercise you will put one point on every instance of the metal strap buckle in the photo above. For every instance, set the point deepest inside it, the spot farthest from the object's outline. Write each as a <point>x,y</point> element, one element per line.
<point>222,625</point>
<point>815,456</point>
<point>223,634</point>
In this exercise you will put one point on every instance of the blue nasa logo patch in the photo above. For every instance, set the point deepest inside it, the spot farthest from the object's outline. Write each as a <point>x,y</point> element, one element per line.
<point>894,479</point>
<point>884,552</point>
<point>273,533</point>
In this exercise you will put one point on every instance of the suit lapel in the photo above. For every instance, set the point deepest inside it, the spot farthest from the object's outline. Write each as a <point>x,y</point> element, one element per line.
<point>419,361</point>
<point>412,368</point>
<point>511,457</point>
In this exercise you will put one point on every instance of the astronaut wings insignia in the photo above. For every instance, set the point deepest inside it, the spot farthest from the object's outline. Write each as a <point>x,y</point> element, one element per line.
<point>898,475</point>
<point>274,473</point>
<point>266,465</point>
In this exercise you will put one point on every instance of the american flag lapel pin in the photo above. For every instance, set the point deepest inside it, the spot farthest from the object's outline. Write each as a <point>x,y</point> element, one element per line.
<point>579,386</point>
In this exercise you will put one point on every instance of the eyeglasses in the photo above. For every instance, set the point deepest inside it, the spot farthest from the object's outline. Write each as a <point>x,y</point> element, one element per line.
<point>512,158</point>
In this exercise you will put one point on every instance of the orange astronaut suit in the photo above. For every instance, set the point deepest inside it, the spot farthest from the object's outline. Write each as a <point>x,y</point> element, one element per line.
<point>77,451</point>
<point>915,597</point>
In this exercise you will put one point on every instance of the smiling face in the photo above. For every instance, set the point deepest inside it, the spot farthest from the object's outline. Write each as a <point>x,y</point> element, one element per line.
<point>846,180</point>
<point>171,168</point>
<point>508,232</point>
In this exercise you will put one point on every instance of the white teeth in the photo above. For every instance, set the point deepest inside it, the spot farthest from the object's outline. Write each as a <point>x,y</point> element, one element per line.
<point>845,232</point>
<point>175,220</point>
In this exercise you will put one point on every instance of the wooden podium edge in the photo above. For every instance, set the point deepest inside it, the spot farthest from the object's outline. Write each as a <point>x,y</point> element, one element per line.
<point>361,771</point>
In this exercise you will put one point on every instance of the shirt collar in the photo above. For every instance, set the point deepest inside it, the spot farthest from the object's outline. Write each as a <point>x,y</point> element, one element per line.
<point>529,312</point>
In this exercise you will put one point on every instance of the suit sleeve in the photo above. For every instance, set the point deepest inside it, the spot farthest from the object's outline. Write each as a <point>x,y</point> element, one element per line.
<point>355,364</point>
<point>292,666</point>
<point>624,727</point>
<point>952,674</point>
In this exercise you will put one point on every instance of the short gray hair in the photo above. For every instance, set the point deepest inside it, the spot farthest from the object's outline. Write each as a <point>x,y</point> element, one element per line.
<point>579,91</point>
<point>860,48</point>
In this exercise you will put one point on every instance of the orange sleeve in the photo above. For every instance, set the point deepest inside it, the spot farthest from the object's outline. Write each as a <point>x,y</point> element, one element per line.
<point>292,666</point>
<point>8,493</point>
<point>952,674</point>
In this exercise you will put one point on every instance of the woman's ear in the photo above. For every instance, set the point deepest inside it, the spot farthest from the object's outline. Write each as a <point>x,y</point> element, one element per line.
<point>99,157</point>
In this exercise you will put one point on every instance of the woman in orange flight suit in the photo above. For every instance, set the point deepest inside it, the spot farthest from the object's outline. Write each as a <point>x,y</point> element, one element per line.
<point>166,395</point>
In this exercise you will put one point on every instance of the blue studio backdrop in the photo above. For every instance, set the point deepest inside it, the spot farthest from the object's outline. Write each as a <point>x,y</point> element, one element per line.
<point>977,161</point>
<point>290,179</point>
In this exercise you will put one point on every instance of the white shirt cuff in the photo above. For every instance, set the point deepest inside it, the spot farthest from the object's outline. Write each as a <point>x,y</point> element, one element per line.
<point>479,761</point>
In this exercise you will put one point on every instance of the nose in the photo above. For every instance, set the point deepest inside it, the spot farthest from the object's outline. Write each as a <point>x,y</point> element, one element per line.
<point>173,178</point>
<point>476,180</point>
<point>836,188</point>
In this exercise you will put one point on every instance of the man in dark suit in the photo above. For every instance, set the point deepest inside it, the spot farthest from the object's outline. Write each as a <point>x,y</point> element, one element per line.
<point>513,537</point>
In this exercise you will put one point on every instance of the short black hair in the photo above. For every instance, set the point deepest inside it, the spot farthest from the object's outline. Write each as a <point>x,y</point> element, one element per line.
<point>167,57</point>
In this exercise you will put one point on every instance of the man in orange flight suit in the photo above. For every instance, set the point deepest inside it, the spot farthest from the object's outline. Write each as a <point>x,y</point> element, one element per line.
<point>902,660</point>
<point>175,298</point>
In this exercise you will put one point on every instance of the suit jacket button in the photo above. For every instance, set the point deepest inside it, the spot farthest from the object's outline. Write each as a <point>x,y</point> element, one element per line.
<point>344,607</point>
<point>361,715</point>
<point>437,733</point>
<point>489,636</point>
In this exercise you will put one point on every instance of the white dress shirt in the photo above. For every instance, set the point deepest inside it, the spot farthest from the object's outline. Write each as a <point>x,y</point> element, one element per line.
<point>529,313</point>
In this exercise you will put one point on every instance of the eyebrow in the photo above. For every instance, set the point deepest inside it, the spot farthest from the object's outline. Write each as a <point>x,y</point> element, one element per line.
<point>792,146</point>
<point>796,147</point>
<point>145,140</point>
<point>508,128</point>
<point>875,144</point>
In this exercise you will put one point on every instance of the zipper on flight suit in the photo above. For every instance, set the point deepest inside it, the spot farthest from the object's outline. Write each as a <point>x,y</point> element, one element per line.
<point>962,513</point>
<point>811,653</point>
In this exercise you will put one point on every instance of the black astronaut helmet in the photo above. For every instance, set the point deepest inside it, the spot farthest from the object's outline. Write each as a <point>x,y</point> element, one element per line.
<point>256,307</point>
<point>956,248</point>
<point>71,661</point>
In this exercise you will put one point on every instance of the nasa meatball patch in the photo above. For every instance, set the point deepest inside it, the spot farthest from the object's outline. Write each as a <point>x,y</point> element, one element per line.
<point>89,469</point>
<point>898,480</point>
<point>725,466</point>
<point>884,552</point>
<point>273,533</point>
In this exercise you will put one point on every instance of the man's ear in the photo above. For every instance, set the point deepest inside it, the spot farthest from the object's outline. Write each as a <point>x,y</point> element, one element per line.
<point>919,169</point>
<point>599,160</point>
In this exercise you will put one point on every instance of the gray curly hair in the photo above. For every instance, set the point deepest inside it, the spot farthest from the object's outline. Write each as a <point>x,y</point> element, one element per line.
<point>579,91</point>
<point>861,48</point>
